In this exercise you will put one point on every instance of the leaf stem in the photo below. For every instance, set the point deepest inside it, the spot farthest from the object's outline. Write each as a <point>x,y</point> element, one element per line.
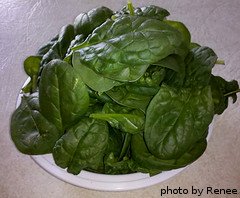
<point>130,7</point>
<point>232,92</point>
<point>125,146</point>
<point>34,83</point>
<point>220,62</point>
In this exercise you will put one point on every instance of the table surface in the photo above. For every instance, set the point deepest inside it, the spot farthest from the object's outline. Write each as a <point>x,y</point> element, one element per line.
<point>27,24</point>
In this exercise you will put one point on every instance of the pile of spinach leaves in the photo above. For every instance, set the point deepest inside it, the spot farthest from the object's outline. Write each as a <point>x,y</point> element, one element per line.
<point>120,92</point>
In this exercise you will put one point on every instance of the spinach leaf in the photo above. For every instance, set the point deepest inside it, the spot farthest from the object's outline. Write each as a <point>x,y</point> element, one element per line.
<point>82,147</point>
<point>115,141</point>
<point>66,35</point>
<point>44,49</point>
<point>77,40</point>
<point>94,80</point>
<point>31,67</point>
<point>123,96</point>
<point>31,132</point>
<point>200,62</point>
<point>59,49</point>
<point>175,70</point>
<point>126,146</point>
<point>172,62</point>
<point>113,166</point>
<point>176,119</point>
<point>129,121</point>
<point>182,29</point>
<point>138,94</point>
<point>123,49</point>
<point>193,45</point>
<point>221,91</point>
<point>100,97</point>
<point>153,12</point>
<point>85,23</point>
<point>63,96</point>
<point>153,165</point>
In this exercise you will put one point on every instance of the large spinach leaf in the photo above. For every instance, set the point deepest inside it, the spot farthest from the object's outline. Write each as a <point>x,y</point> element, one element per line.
<point>31,132</point>
<point>123,49</point>
<point>153,164</point>
<point>83,146</point>
<point>176,119</point>
<point>63,96</point>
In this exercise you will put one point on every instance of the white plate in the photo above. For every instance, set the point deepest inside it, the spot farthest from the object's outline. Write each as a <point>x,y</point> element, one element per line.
<point>103,182</point>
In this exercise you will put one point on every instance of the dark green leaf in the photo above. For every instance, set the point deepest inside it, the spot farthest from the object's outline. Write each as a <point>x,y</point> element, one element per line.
<point>31,132</point>
<point>44,49</point>
<point>63,96</point>
<point>176,119</point>
<point>123,49</point>
<point>221,91</point>
<point>172,62</point>
<point>82,147</point>
<point>85,23</point>
<point>182,29</point>
<point>153,165</point>
<point>123,96</point>
<point>60,47</point>
<point>130,122</point>
<point>153,12</point>
<point>115,167</point>
<point>200,62</point>
<point>96,81</point>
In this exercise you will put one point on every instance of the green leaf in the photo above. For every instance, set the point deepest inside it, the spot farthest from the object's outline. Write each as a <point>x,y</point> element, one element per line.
<point>82,147</point>
<point>45,48</point>
<point>115,167</point>
<point>115,141</point>
<point>172,62</point>
<point>131,121</point>
<point>31,132</point>
<point>153,12</point>
<point>138,94</point>
<point>200,62</point>
<point>123,96</point>
<point>59,47</point>
<point>221,91</point>
<point>153,164</point>
<point>85,23</point>
<point>96,81</point>
<point>123,49</point>
<point>66,35</point>
<point>63,96</point>
<point>149,12</point>
<point>31,67</point>
<point>176,119</point>
<point>182,29</point>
